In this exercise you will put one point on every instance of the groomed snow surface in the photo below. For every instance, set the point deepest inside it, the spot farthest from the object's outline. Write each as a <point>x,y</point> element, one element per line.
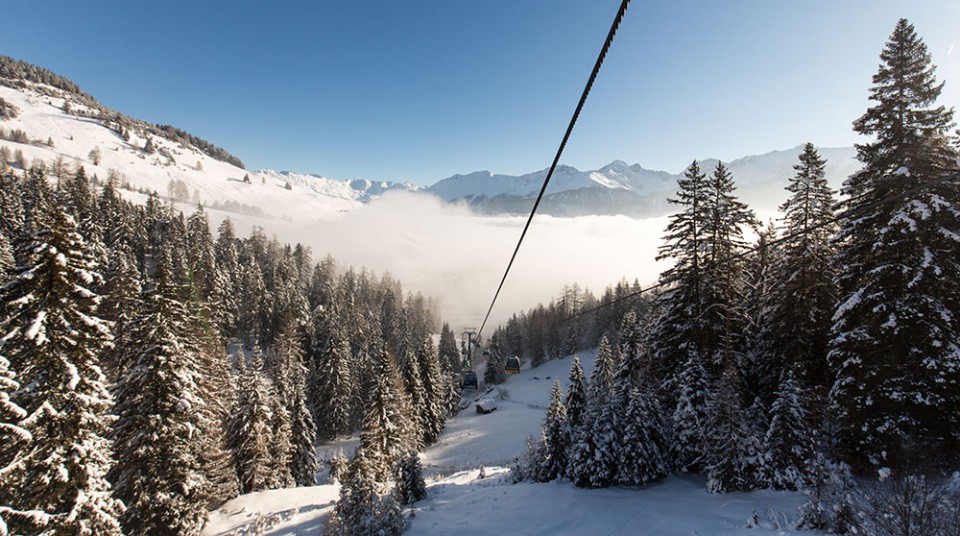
<point>459,502</point>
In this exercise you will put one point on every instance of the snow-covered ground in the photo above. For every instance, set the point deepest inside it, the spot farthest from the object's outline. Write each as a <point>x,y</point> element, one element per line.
<point>460,502</point>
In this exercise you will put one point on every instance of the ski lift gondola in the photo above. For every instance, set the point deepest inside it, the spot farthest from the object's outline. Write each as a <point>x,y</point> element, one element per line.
<point>469,380</point>
<point>513,365</point>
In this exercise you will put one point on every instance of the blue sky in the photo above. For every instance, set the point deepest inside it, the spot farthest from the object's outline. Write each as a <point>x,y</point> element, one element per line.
<point>420,90</point>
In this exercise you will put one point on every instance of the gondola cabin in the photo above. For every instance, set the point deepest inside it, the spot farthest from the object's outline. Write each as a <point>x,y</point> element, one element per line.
<point>470,380</point>
<point>513,365</point>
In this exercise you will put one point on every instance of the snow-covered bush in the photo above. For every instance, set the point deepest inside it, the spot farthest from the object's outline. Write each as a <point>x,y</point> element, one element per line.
<point>913,505</point>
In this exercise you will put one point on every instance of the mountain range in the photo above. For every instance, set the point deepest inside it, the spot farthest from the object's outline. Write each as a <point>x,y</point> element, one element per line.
<point>46,117</point>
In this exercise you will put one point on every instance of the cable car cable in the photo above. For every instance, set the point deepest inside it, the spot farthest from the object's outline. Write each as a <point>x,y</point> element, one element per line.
<point>573,121</point>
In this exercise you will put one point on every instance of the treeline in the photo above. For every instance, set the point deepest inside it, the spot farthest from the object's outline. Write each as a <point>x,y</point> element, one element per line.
<point>831,350</point>
<point>121,410</point>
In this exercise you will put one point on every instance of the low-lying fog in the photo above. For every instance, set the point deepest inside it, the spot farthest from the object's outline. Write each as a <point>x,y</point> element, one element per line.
<point>458,257</point>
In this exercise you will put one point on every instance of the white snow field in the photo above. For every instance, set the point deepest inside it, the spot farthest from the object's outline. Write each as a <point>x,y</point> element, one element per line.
<point>460,503</point>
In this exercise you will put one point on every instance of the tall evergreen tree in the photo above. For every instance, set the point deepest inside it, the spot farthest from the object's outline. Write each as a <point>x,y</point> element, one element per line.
<point>803,296</point>
<point>576,398</point>
<point>157,432</point>
<point>292,389</point>
<point>790,446</point>
<point>332,379</point>
<point>450,359</point>
<point>677,331</point>
<point>732,449</point>
<point>387,432</point>
<point>554,438</point>
<point>50,330</point>
<point>688,448</point>
<point>13,437</point>
<point>251,430</point>
<point>895,339</point>
<point>724,314</point>
<point>362,510</point>
<point>644,453</point>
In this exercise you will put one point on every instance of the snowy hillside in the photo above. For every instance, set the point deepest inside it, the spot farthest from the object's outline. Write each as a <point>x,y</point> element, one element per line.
<point>172,169</point>
<point>460,502</point>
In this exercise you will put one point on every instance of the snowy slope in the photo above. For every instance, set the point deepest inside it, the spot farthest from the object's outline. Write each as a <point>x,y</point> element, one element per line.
<point>211,181</point>
<point>461,503</point>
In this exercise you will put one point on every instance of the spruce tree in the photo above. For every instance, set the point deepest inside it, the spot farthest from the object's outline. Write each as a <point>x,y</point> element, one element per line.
<point>688,448</point>
<point>594,454</point>
<point>408,475</point>
<point>731,448</point>
<point>332,379</point>
<point>554,438</point>
<point>293,391</point>
<point>576,398</point>
<point>803,294</point>
<point>789,444</point>
<point>362,510</point>
<point>159,422</point>
<point>450,359</point>
<point>644,454</point>
<point>251,429</point>
<point>894,345</point>
<point>677,331</point>
<point>51,333</point>
<point>433,413</point>
<point>724,314</point>
<point>13,437</point>
<point>387,429</point>
<point>281,446</point>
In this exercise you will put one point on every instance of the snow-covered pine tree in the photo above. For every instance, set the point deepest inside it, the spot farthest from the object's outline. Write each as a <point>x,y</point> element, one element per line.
<point>228,265</point>
<point>730,442</point>
<point>288,356</point>
<point>450,359</point>
<point>13,438</point>
<point>250,431</point>
<point>634,367</point>
<point>11,207</point>
<point>410,371</point>
<point>159,422</point>
<point>281,446</point>
<point>434,412</point>
<point>494,372</point>
<point>803,295</point>
<point>53,337</point>
<point>688,448</point>
<point>6,257</point>
<point>362,510</point>
<point>387,428</point>
<point>677,331</point>
<point>593,455</point>
<point>338,467</point>
<point>576,397</point>
<point>408,475</point>
<point>121,296</point>
<point>790,447</point>
<point>724,314</point>
<point>895,339</point>
<point>644,453</point>
<point>554,438</point>
<point>331,383</point>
